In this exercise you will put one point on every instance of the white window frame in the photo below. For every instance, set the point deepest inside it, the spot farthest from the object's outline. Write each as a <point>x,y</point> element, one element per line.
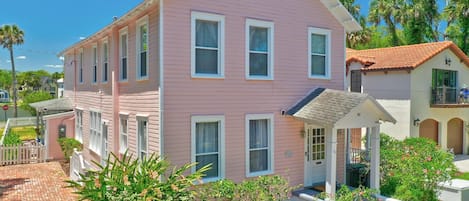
<point>80,70</point>
<point>139,147</point>
<point>271,152</point>
<point>95,132</point>
<point>123,147</point>
<point>221,43</point>
<point>270,50</point>
<point>122,32</point>
<point>142,22</point>
<point>94,63</point>
<point>79,125</point>
<point>221,143</point>
<point>105,60</point>
<point>327,33</point>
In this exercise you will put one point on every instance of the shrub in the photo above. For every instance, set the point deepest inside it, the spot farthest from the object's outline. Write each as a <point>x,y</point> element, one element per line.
<point>12,139</point>
<point>33,97</point>
<point>152,178</point>
<point>67,145</point>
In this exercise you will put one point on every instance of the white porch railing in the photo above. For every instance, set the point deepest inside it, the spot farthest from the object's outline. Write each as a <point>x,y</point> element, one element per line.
<point>77,165</point>
<point>21,154</point>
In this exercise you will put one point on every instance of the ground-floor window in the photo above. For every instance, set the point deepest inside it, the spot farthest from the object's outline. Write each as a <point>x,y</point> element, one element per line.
<point>259,144</point>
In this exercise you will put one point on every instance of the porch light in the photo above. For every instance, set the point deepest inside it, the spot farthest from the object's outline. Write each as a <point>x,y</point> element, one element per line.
<point>448,61</point>
<point>416,122</point>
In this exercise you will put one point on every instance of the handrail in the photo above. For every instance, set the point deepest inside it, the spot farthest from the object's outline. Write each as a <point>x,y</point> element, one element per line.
<point>5,131</point>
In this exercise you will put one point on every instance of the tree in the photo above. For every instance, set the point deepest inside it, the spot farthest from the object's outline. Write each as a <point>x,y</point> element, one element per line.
<point>456,14</point>
<point>11,35</point>
<point>33,97</point>
<point>5,79</point>
<point>420,21</point>
<point>360,37</point>
<point>392,12</point>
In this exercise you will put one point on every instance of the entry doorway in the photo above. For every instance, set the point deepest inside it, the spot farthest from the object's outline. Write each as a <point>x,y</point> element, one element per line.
<point>315,155</point>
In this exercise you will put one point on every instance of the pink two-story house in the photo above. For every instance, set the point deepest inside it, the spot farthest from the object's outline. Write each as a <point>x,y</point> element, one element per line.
<point>251,87</point>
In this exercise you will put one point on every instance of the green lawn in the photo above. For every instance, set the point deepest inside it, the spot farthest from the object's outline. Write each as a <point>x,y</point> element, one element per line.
<point>25,133</point>
<point>461,175</point>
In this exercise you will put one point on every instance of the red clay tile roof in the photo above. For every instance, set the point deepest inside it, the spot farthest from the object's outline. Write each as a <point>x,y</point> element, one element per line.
<point>401,57</point>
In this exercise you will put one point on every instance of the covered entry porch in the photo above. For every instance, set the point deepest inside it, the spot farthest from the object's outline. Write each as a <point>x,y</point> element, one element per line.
<point>328,113</point>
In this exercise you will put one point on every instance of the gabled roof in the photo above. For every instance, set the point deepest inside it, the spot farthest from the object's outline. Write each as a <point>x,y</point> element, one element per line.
<point>342,15</point>
<point>60,104</point>
<point>402,57</point>
<point>328,106</point>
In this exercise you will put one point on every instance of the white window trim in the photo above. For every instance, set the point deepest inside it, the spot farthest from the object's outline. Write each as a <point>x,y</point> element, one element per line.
<point>96,146</point>
<point>81,56</point>
<point>123,31</point>
<point>105,43</point>
<point>327,33</point>
<point>221,44</point>
<point>270,50</point>
<point>94,63</point>
<point>140,22</point>
<point>141,118</point>
<point>271,151</point>
<point>221,144</point>
<point>121,133</point>
<point>79,125</point>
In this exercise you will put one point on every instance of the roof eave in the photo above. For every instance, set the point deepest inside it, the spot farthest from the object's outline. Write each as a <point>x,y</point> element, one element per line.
<point>342,15</point>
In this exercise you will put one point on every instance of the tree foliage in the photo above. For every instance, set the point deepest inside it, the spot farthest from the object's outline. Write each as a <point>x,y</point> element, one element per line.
<point>33,97</point>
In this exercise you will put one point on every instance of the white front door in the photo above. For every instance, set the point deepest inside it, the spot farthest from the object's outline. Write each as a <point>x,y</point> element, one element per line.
<point>315,155</point>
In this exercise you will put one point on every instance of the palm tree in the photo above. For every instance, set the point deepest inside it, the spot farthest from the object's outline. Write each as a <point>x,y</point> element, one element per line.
<point>360,37</point>
<point>392,12</point>
<point>457,16</point>
<point>11,35</point>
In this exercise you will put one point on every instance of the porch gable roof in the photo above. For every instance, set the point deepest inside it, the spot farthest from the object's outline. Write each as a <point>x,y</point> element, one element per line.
<point>58,104</point>
<point>327,107</point>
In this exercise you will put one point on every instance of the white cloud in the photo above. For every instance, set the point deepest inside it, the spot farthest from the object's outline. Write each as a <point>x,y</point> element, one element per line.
<point>54,66</point>
<point>82,38</point>
<point>61,58</point>
<point>21,57</point>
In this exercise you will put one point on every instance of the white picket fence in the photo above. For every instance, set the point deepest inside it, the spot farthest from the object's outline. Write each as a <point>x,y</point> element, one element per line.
<point>21,154</point>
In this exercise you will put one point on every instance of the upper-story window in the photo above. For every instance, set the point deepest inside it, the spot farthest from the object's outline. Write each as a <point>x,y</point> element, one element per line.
<point>95,64</point>
<point>356,81</point>
<point>105,51</point>
<point>207,52</point>
<point>259,49</point>
<point>80,73</point>
<point>142,48</point>
<point>444,86</point>
<point>123,40</point>
<point>319,53</point>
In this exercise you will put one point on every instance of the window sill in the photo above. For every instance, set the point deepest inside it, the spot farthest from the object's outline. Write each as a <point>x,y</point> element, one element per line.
<point>124,81</point>
<point>94,152</point>
<point>207,76</point>
<point>142,79</point>
<point>209,180</point>
<point>319,77</point>
<point>260,78</point>
<point>260,173</point>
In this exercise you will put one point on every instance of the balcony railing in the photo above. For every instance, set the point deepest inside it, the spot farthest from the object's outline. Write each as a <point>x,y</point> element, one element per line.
<point>449,95</point>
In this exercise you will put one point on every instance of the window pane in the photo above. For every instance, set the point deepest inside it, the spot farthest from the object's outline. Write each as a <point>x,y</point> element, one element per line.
<point>318,65</point>
<point>143,135</point>
<point>318,44</point>
<point>143,64</point>
<point>206,61</point>
<point>105,52</point>
<point>258,133</point>
<point>206,33</point>
<point>205,160</point>
<point>258,160</point>
<point>95,73</point>
<point>124,68</point>
<point>143,38</point>
<point>258,40</point>
<point>124,45</point>
<point>258,64</point>
<point>206,137</point>
<point>105,72</point>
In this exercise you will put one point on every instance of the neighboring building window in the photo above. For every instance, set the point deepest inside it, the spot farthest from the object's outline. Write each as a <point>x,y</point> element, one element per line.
<point>105,62</point>
<point>319,53</point>
<point>259,144</point>
<point>79,125</point>
<point>444,86</point>
<point>259,49</point>
<point>80,74</point>
<point>142,48</point>
<point>95,132</point>
<point>208,145</point>
<point>207,52</point>
<point>95,64</point>
<point>142,144</point>
<point>124,130</point>
<point>356,81</point>
<point>123,55</point>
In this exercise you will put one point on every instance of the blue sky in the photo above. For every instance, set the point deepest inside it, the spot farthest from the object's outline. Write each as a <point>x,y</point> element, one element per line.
<point>52,25</point>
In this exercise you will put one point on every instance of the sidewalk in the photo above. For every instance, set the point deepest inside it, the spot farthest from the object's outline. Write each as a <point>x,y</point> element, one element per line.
<point>462,162</point>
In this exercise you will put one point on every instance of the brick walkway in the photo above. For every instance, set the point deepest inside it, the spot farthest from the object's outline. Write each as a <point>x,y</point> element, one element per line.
<point>35,182</point>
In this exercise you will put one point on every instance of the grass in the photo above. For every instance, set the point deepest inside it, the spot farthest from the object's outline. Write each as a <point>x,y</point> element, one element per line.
<point>1,132</point>
<point>461,175</point>
<point>25,133</point>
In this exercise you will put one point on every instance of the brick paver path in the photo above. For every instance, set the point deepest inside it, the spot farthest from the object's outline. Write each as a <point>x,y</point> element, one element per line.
<point>35,182</point>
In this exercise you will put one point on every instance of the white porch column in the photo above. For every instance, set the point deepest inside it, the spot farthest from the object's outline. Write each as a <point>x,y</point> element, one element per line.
<point>464,137</point>
<point>374,163</point>
<point>331,161</point>
<point>442,134</point>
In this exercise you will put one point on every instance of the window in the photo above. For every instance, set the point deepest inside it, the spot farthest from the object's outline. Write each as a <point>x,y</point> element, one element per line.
<point>444,86</point>
<point>208,145</point>
<point>142,48</point>
<point>105,61</point>
<point>356,81</point>
<point>79,125</point>
<point>207,52</point>
<point>123,130</point>
<point>259,49</point>
<point>95,64</point>
<point>80,74</point>
<point>319,53</point>
<point>95,132</point>
<point>142,144</point>
<point>259,144</point>
<point>123,55</point>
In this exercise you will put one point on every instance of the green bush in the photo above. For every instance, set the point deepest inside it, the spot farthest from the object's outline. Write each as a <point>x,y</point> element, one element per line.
<point>12,139</point>
<point>67,145</point>
<point>152,178</point>
<point>35,96</point>
<point>270,188</point>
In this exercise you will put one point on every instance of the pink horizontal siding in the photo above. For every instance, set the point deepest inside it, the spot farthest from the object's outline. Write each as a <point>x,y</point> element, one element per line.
<point>53,146</point>
<point>234,96</point>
